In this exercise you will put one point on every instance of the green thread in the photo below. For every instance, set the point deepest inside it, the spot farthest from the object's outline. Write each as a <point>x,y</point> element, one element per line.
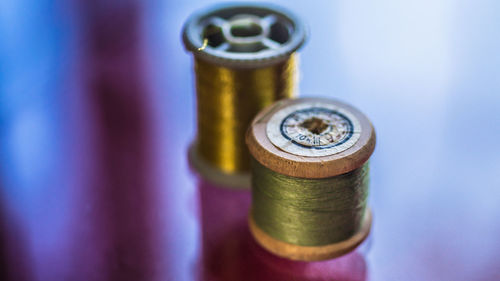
<point>309,212</point>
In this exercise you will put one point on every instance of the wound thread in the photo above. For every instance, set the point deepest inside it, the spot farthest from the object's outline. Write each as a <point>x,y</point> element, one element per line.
<point>309,212</point>
<point>227,101</point>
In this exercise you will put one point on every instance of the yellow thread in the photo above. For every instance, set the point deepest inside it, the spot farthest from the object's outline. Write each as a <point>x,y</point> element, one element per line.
<point>205,44</point>
<point>228,100</point>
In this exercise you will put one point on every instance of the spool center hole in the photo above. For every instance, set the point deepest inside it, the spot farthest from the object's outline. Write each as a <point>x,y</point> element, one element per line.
<point>246,29</point>
<point>314,125</point>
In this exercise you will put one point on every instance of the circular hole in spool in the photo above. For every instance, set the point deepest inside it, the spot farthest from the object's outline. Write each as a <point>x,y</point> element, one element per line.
<point>247,29</point>
<point>214,35</point>
<point>251,48</point>
<point>279,33</point>
<point>314,125</point>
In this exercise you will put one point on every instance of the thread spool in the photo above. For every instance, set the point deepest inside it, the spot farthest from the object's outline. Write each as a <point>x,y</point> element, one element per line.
<point>244,56</point>
<point>310,178</point>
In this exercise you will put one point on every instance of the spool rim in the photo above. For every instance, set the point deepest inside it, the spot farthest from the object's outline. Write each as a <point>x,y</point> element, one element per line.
<point>214,175</point>
<point>286,163</point>
<point>225,16</point>
<point>311,253</point>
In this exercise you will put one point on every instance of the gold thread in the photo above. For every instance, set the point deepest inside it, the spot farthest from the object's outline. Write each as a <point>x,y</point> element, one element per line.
<point>205,44</point>
<point>227,101</point>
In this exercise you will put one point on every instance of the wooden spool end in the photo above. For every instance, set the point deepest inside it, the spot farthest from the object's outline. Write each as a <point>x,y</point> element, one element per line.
<point>279,152</point>
<point>311,138</point>
<point>311,253</point>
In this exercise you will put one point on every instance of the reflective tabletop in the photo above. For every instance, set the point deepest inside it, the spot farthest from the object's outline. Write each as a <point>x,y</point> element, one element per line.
<point>97,111</point>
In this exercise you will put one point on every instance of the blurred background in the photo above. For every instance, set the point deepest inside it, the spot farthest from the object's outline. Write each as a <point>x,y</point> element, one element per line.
<point>97,110</point>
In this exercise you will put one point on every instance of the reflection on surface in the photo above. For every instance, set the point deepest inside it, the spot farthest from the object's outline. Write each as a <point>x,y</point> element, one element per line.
<point>229,252</point>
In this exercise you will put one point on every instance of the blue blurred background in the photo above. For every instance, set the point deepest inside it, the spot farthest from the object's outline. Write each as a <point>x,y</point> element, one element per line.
<point>97,110</point>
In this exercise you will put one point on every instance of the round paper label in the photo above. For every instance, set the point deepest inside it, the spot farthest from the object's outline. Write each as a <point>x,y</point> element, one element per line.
<point>313,129</point>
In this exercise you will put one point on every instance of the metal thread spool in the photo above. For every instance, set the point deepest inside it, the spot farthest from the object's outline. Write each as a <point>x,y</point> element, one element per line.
<point>244,61</point>
<point>310,178</point>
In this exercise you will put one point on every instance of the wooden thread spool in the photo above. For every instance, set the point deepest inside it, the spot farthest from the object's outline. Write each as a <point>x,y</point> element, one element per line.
<point>309,140</point>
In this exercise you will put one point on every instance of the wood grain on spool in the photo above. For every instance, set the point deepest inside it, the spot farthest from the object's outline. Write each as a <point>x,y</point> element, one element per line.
<point>309,167</point>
